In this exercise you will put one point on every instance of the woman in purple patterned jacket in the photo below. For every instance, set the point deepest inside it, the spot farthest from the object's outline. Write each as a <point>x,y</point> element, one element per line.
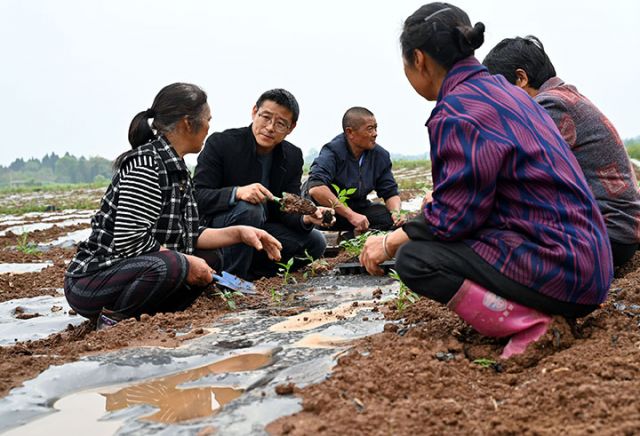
<point>592,138</point>
<point>512,234</point>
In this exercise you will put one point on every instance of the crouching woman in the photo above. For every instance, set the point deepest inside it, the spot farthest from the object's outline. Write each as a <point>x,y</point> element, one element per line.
<point>512,233</point>
<point>146,252</point>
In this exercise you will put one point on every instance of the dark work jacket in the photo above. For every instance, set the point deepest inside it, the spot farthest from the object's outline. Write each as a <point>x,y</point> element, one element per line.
<point>337,165</point>
<point>229,160</point>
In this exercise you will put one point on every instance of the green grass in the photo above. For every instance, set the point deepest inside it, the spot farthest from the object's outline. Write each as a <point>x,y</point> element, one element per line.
<point>81,204</point>
<point>24,246</point>
<point>411,164</point>
<point>413,184</point>
<point>40,204</point>
<point>50,188</point>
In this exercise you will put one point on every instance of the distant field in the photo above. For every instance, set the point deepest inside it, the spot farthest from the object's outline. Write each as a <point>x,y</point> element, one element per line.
<point>23,199</point>
<point>414,174</point>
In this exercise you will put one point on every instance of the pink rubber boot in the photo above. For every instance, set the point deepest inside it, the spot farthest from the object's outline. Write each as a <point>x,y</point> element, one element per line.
<point>494,316</point>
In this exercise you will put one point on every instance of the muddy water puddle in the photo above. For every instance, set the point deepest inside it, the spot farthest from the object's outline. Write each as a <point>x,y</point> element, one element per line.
<point>225,380</point>
<point>161,400</point>
<point>316,318</point>
<point>317,340</point>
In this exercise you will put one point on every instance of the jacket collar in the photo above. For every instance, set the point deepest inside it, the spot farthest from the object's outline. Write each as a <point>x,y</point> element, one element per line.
<point>171,160</point>
<point>462,71</point>
<point>551,83</point>
<point>343,139</point>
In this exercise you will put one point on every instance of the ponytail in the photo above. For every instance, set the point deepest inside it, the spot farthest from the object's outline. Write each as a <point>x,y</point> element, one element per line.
<point>139,130</point>
<point>172,103</point>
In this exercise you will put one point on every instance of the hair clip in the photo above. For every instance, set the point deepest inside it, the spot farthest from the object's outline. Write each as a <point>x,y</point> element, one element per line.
<point>535,41</point>
<point>436,13</point>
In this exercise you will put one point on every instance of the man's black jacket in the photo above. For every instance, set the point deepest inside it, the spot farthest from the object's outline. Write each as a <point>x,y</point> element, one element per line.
<point>229,160</point>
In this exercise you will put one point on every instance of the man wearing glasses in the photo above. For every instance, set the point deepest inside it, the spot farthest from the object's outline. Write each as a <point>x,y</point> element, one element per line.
<point>239,171</point>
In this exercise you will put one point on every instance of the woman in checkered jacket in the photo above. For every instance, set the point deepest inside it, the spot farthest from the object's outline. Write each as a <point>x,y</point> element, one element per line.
<point>147,252</point>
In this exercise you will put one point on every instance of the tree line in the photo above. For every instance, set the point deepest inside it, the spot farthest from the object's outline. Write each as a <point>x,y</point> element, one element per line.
<point>633,147</point>
<point>56,169</point>
<point>70,169</point>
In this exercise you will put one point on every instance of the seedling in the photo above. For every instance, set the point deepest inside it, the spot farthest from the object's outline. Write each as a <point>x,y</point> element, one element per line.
<point>343,195</point>
<point>354,246</point>
<point>24,246</point>
<point>402,213</point>
<point>307,256</point>
<point>228,297</point>
<point>285,271</point>
<point>405,296</point>
<point>276,297</point>
<point>316,266</point>
<point>484,362</point>
<point>313,264</point>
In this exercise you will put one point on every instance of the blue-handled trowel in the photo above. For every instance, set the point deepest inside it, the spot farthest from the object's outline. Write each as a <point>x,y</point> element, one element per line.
<point>234,283</point>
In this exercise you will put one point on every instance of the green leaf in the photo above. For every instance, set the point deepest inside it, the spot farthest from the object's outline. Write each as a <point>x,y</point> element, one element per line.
<point>484,362</point>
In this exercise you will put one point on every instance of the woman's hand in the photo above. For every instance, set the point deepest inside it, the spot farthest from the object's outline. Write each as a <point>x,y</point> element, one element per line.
<point>428,198</point>
<point>317,218</point>
<point>372,255</point>
<point>375,251</point>
<point>260,240</point>
<point>200,273</point>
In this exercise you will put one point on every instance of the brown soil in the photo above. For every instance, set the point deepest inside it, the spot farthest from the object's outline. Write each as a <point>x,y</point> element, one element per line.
<point>419,377</point>
<point>28,285</point>
<point>40,236</point>
<point>409,194</point>
<point>26,360</point>
<point>292,203</point>
<point>327,217</point>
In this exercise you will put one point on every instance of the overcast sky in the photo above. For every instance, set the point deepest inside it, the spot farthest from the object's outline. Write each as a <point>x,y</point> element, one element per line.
<point>74,72</point>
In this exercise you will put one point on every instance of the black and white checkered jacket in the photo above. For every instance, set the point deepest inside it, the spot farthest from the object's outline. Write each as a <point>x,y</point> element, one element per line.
<point>149,203</point>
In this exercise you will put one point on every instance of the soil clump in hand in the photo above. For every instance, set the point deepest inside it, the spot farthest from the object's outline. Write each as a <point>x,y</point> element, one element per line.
<point>292,203</point>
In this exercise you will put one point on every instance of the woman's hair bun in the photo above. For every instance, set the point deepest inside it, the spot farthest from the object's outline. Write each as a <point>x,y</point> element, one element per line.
<point>476,35</point>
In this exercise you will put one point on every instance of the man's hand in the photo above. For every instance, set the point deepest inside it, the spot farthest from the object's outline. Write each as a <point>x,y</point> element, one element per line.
<point>317,217</point>
<point>359,222</point>
<point>398,218</point>
<point>200,273</point>
<point>254,193</point>
<point>260,240</point>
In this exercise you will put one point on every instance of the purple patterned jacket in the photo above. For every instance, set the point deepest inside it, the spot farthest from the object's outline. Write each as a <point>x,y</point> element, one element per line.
<point>507,184</point>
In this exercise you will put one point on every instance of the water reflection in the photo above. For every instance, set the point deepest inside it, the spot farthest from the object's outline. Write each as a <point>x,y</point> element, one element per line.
<point>176,404</point>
